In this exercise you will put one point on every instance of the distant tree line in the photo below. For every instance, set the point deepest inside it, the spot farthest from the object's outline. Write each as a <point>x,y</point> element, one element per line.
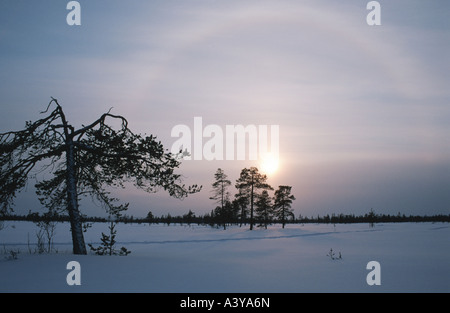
<point>371,218</point>
<point>251,205</point>
<point>214,220</point>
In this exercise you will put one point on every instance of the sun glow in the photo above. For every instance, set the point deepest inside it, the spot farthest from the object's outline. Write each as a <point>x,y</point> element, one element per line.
<point>269,164</point>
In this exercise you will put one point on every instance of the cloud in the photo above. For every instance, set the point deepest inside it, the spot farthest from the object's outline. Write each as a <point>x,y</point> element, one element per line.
<point>340,90</point>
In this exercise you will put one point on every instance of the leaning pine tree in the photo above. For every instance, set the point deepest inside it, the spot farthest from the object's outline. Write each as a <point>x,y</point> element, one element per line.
<point>84,161</point>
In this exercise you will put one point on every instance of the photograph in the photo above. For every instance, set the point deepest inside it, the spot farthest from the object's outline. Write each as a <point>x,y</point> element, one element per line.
<point>225,155</point>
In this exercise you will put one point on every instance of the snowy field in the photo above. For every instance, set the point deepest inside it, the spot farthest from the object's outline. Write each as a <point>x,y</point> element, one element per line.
<point>413,257</point>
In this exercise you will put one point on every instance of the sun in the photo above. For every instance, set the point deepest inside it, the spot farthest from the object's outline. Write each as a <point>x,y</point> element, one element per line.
<point>269,164</point>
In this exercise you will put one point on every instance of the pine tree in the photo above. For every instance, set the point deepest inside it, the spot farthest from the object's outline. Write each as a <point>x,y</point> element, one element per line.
<point>371,217</point>
<point>240,203</point>
<point>189,217</point>
<point>248,184</point>
<point>220,188</point>
<point>264,209</point>
<point>282,203</point>
<point>224,215</point>
<point>83,161</point>
<point>107,246</point>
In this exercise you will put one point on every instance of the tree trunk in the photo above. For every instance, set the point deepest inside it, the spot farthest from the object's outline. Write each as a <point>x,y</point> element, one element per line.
<point>251,208</point>
<point>79,247</point>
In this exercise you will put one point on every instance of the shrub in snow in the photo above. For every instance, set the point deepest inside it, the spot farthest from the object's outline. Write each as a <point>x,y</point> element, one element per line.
<point>109,241</point>
<point>333,256</point>
<point>45,235</point>
<point>11,254</point>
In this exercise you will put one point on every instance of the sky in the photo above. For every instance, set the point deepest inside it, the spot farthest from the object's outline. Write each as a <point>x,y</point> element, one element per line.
<point>363,111</point>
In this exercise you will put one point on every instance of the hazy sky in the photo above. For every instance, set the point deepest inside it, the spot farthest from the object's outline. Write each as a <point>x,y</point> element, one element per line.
<point>363,111</point>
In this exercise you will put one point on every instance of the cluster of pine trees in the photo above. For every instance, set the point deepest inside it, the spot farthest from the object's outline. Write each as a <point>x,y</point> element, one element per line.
<point>252,202</point>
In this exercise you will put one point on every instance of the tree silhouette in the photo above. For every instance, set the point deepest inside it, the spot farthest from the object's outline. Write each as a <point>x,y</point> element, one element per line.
<point>224,215</point>
<point>84,161</point>
<point>240,203</point>
<point>264,209</point>
<point>220,186</point>
<point>282,203</point>
<point>248,184</point>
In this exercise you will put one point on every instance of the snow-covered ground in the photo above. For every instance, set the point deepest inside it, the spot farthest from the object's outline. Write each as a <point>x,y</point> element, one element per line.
<point>413,257</point>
